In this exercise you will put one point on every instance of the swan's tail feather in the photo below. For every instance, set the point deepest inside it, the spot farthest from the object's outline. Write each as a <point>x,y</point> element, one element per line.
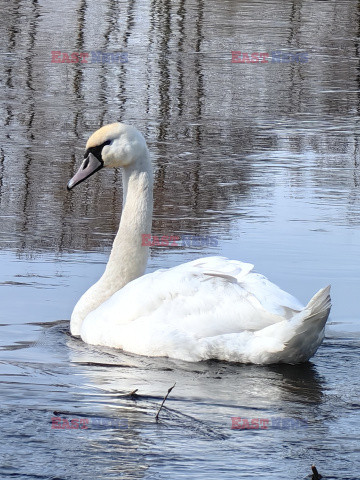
<point>308,328</point>
<point>292,340</point>
<point>320,303</point>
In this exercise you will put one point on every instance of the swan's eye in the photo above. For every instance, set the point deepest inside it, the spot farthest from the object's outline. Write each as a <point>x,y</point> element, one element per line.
<point>96,151</point>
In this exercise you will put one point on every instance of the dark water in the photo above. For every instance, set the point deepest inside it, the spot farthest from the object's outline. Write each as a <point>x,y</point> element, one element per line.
<point>265,157</point>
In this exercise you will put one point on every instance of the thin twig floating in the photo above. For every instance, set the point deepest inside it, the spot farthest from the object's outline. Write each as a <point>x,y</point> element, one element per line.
<point>132,394</point>
<point>157,415</point>
<point>316,475</point>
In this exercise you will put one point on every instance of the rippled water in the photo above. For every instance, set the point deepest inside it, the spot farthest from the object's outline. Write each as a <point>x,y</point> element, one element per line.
<point>264,157</point>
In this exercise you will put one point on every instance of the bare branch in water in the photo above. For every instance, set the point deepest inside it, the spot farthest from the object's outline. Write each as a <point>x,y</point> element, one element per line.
<point>316,475</point>
<point>132,394</point>
<point>157,415</point>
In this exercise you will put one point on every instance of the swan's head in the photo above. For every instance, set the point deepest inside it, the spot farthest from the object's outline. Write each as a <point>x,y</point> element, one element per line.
<point>114,145</point>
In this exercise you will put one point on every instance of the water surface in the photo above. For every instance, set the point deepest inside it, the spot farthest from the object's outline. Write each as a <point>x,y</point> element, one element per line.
<point>264,157</point>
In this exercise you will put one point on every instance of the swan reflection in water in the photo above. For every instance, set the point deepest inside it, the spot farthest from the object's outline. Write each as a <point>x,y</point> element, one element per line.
<point>208,393</point>
<point>197,413</point>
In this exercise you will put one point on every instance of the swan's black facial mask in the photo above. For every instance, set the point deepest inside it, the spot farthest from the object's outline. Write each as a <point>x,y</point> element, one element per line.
<point>91,164</point>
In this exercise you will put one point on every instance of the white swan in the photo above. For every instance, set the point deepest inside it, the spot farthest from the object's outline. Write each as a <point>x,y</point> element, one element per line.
<point>211,308</point>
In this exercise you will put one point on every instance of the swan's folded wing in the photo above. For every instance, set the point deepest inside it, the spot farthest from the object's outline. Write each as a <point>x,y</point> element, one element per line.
<point>196,300</point>
<point>217,266</point>
<point>272,298</point>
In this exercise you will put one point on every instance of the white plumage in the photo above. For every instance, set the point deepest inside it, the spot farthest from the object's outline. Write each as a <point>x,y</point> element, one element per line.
<point>210,308</point>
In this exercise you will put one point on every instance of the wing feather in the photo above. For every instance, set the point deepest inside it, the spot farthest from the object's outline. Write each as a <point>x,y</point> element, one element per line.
<point>166,310</point>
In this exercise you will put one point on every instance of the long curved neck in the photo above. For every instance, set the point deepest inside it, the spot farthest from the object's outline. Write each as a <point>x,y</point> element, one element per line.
<point>128,257</point>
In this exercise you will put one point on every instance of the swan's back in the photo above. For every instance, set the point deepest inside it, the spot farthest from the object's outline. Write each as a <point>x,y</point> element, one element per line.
<point>208,308</point>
